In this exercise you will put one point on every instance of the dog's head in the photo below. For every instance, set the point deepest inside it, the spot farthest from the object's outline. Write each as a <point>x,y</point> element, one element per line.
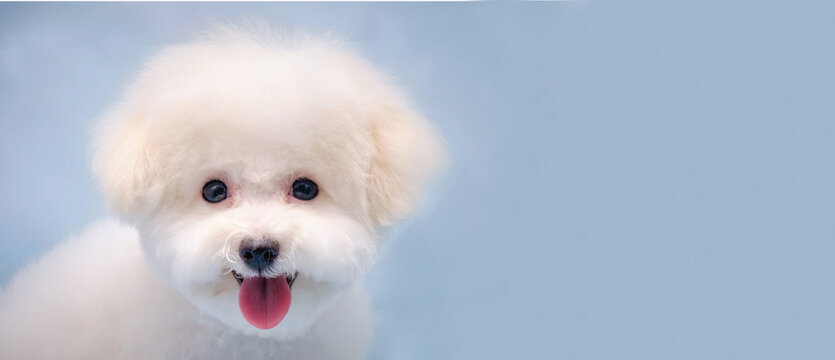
<point>258,172</point>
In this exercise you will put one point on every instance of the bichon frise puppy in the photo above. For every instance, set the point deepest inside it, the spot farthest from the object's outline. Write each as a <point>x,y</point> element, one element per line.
<point>255,173</point>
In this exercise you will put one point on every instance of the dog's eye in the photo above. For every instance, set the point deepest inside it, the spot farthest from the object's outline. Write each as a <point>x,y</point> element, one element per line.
<point>305,189</point>
<point>214,191</point>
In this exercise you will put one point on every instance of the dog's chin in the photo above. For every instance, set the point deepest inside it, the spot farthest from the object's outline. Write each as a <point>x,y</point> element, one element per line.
<point>308,299</point>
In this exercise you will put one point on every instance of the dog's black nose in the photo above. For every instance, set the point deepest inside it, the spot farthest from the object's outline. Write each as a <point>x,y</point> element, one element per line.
<point>259,258</point>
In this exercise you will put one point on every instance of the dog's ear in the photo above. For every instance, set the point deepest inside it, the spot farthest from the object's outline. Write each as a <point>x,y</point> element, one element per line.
<point>123,163</point>
<point>408,152</point>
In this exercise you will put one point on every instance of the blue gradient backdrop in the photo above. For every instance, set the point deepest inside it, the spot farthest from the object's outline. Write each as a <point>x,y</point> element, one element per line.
<point>629,180</point>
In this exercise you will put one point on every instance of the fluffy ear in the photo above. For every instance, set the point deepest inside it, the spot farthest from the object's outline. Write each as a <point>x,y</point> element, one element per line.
<point>408,154</point>
<point>123,164</point>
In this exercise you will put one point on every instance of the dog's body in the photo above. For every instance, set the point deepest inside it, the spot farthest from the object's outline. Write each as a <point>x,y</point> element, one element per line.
<point>254,174</point>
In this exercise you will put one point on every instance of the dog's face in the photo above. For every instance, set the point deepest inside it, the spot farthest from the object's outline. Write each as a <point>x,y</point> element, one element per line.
<point>258,173</point>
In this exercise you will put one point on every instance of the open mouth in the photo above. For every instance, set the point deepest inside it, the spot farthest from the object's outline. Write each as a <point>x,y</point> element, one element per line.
<point>290,278</point>
<point>264,302</point>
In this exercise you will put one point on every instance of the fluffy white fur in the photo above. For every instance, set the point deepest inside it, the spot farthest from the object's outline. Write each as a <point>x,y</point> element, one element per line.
<point>257,112</point>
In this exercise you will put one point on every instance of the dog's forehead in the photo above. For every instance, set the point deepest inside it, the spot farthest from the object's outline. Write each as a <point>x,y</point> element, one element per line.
<point>257,103</point>
<point>258,145</point>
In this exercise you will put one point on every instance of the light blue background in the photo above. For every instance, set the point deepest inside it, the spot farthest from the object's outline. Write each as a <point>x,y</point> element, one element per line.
<point>629,180</point>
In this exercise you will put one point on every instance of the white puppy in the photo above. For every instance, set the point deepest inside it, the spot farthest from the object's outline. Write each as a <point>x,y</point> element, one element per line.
<point>255,173</point>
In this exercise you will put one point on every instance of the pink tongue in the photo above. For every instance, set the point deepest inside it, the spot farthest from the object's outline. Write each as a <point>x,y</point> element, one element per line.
<point>264,302</point>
